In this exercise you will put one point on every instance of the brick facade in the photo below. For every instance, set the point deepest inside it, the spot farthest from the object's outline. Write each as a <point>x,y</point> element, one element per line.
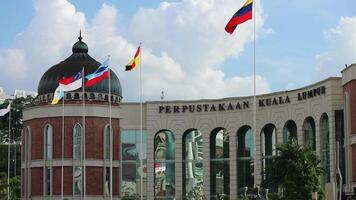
<point>94,152</point>
<point>350,87</point>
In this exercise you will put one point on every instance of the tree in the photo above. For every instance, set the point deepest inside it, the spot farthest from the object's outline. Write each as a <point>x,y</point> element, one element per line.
<point>17,106</point>
<point>15,184</point>
<point>295,172</point>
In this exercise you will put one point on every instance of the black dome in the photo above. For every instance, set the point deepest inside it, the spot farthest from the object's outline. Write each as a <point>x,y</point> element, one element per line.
<point>71,66</point>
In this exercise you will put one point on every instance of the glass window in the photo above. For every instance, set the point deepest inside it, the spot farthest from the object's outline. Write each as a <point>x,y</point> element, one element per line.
<point>290,131</point>
<point>77,154</point>
<point>325,156</point>
<point>219,164</point>
<point>309,133</point>
<point>268,145</point>
<point>164,164</point>
<point>245,157</point>
<point>49,146</point>
<point>340,137</point>
<point>48,174</point>
<point>77,157</point>
<point>107,142</point>
<point>107,181</point>
<point>132,170</point>
<point>192,163</point>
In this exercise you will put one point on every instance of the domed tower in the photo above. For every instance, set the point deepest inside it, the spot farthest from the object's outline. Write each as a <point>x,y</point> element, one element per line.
<point>71,149</point>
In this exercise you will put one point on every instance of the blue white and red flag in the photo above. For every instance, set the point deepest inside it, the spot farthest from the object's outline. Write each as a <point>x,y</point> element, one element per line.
<point>100,74</point>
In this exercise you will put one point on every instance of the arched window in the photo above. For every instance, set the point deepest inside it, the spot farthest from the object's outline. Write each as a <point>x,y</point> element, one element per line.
<point>309,133</point>
<point>290,131</point>
<point>164,168</point>
<point>325,149</point>
<point>49,142</point>
<point>192,162</point>
<point>268,146</point>
<point>245,157</point>
<point>219,163</point>
<point>77,158</point>
<point>48,156</point>
<point>107,156</point>
<point>68,95</point>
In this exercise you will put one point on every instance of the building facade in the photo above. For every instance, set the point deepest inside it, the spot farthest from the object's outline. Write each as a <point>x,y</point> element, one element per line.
<point>183,147</point>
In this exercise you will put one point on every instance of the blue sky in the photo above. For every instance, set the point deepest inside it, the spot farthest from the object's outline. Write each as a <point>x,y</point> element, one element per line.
<point>186,51</point>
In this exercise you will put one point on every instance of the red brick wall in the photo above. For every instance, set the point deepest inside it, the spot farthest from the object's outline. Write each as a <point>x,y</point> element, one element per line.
<point>350,87</point>
<point>94,180</point>
<point>94,150</point>
<point>116,180</point>
<point>68,181</point>
<point>36,181</point>
<point>56,180</point>
<point>94,136</point>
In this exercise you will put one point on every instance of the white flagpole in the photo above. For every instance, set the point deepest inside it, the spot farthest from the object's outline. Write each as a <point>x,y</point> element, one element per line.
<point>62,144</point>
<point>110,131</point>
<point>84,161</point>
<point>8,157</point>
<point>254,78</point>
<point>141,146</point>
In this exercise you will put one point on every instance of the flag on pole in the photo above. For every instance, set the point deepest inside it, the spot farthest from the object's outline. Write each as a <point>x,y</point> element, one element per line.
<point>72,83</point>
<point>66,85</point>
<point>100,74</point>
<point>58,95</point>
<point>5,110</point>
<point>135,61</point>
<point>242,15</point>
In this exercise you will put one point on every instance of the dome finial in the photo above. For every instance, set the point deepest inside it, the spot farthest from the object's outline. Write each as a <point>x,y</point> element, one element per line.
<point>80,35</point>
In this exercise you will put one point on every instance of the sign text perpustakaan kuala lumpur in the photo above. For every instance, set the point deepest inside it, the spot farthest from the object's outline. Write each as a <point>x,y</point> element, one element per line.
<point>239,105</point>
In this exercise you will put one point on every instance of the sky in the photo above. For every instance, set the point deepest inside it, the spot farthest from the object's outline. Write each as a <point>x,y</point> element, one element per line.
<point>185,50</point>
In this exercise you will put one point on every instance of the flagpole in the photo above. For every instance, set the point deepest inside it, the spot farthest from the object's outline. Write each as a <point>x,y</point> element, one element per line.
<point>83,106</point>
<point>254,78</point>
<point>110,131</point>
<point>141,146</point>
<point>62,145</point>
<point>8,156</point>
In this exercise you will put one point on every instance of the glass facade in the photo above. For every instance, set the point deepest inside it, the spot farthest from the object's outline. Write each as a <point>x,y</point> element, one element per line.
<point>245,157</point>
<point>132,170</point>
<point>268,148</point>
<point>164,165</point>
<point>309,133</point>
<point>325,149</point>
<point>219,164</point>
<point>290,131</point>
<point>192,163</point>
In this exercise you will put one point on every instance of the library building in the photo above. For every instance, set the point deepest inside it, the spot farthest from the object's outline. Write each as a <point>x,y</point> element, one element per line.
<point>94,145</point>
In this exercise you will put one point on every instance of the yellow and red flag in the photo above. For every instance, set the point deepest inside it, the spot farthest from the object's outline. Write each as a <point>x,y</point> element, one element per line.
<point>135,62</point>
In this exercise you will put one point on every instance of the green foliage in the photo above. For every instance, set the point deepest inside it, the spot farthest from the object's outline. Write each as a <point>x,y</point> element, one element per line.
<point>15,188</point>
<point>17,106</point>
<point>295,172</point>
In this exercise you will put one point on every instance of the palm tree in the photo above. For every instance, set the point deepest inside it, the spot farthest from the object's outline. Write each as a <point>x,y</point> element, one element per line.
<point>294,172</point>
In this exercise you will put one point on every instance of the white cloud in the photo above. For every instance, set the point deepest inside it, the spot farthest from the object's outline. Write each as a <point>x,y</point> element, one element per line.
<point>342,50</point>
<point>184,44</point>
<point>13,64</point>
